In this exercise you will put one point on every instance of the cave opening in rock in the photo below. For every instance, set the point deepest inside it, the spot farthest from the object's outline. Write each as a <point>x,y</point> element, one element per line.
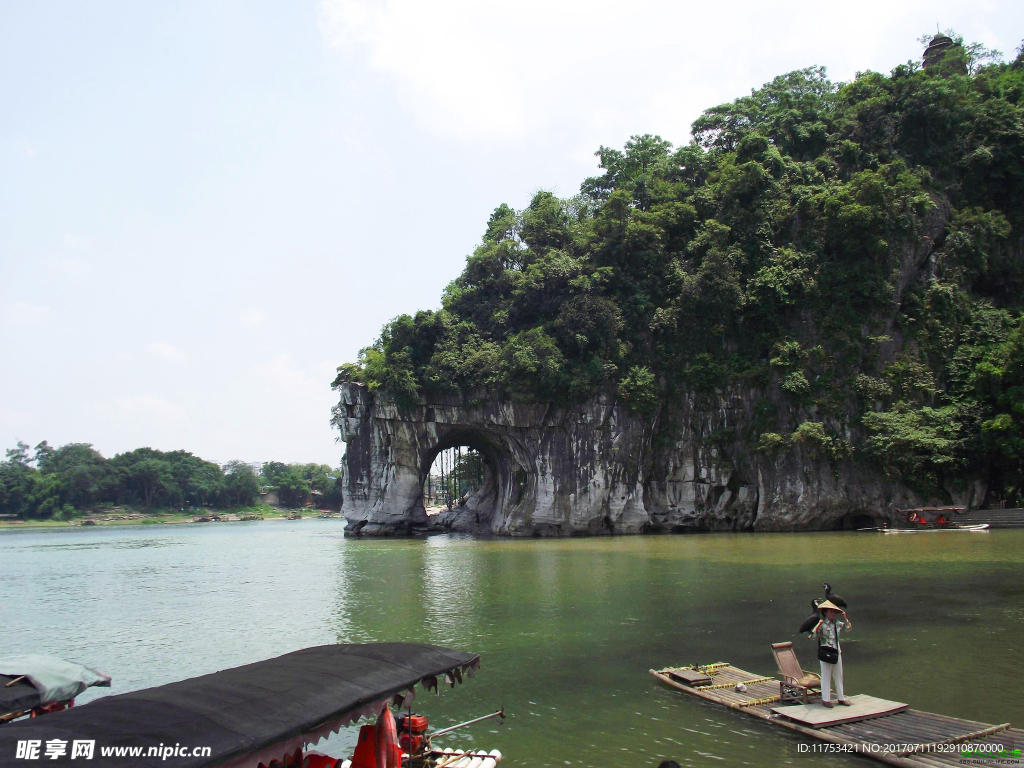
<point>466,477</point>
<point>455,475</point>
<point>856,520</point>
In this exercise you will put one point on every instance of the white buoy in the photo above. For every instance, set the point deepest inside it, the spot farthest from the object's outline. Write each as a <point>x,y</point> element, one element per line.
<point>450,758</point>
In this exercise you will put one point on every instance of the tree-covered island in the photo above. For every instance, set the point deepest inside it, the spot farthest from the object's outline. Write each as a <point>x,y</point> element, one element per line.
<point>852,253</point>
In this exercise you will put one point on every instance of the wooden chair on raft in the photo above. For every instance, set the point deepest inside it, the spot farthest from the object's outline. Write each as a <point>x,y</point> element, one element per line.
<point>796,685</point>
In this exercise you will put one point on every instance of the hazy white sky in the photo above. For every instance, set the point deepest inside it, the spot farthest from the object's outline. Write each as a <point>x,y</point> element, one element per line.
<point>205,207</point>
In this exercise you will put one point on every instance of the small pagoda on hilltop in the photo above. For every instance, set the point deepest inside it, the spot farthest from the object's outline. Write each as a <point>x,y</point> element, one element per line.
<point>939,50</point>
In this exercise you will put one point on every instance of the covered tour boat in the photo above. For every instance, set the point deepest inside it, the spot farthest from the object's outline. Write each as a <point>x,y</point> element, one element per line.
<point>262,715</point>
<point>35,684</point>
<point>927,519</point>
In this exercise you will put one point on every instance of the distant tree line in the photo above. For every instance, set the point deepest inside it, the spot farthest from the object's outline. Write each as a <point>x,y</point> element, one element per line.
<point>55,483</point>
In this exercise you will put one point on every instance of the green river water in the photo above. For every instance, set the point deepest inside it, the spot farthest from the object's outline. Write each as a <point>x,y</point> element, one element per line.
<point>566,628</point>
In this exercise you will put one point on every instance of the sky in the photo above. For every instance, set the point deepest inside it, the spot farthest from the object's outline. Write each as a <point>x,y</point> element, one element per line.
<point>206,207</point>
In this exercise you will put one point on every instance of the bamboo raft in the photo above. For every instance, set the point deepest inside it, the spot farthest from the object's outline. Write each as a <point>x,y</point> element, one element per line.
<point>910,738</point>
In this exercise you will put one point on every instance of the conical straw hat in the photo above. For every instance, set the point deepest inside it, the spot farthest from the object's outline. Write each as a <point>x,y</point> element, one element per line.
<point>829,604</point>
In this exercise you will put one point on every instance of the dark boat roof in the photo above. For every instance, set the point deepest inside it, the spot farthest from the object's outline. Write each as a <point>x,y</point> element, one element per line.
<point>258,711</point>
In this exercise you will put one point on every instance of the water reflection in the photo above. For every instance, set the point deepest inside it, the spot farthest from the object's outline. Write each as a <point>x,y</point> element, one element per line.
<point>379,591</point>
<point>451,583</point>
<point>567,629</point>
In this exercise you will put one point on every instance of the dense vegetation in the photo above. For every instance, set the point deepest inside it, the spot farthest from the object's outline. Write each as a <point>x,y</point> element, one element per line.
<point>850,253</point>
<point>56,483</point>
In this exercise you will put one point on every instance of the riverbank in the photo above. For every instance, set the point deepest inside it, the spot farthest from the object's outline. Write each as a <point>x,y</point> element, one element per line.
<point>128,516</point>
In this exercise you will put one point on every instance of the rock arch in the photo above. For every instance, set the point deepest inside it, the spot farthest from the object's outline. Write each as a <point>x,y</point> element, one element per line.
<point>501,490</point>
<point>595,468</point>
<point>548,470</point>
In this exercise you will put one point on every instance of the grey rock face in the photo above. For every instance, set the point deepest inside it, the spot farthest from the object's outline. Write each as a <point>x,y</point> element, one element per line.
<point>596,468</point>
<point>547,470</point>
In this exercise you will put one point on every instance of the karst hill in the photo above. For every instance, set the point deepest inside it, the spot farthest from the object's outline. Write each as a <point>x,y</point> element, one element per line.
<point>807,317</point>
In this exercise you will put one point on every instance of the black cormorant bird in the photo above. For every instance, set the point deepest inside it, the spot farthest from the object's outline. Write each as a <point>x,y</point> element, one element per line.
<point>836,599</point>
<point>811,621</point>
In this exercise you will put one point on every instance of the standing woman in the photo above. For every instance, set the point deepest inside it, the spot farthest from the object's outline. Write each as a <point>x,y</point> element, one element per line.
<point>829,653</point>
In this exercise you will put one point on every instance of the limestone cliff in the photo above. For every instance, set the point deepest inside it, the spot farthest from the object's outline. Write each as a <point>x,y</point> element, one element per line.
<point>596,468</point>
<point>547,470</point>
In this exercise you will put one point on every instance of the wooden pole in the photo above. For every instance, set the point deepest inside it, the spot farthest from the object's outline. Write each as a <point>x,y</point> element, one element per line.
<point>448,480</point>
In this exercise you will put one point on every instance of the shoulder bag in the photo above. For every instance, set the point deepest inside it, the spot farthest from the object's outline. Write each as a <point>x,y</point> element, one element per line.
<point>827,653</point>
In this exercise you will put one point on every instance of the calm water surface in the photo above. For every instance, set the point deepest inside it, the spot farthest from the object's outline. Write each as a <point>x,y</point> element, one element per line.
<point>567,629</point>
